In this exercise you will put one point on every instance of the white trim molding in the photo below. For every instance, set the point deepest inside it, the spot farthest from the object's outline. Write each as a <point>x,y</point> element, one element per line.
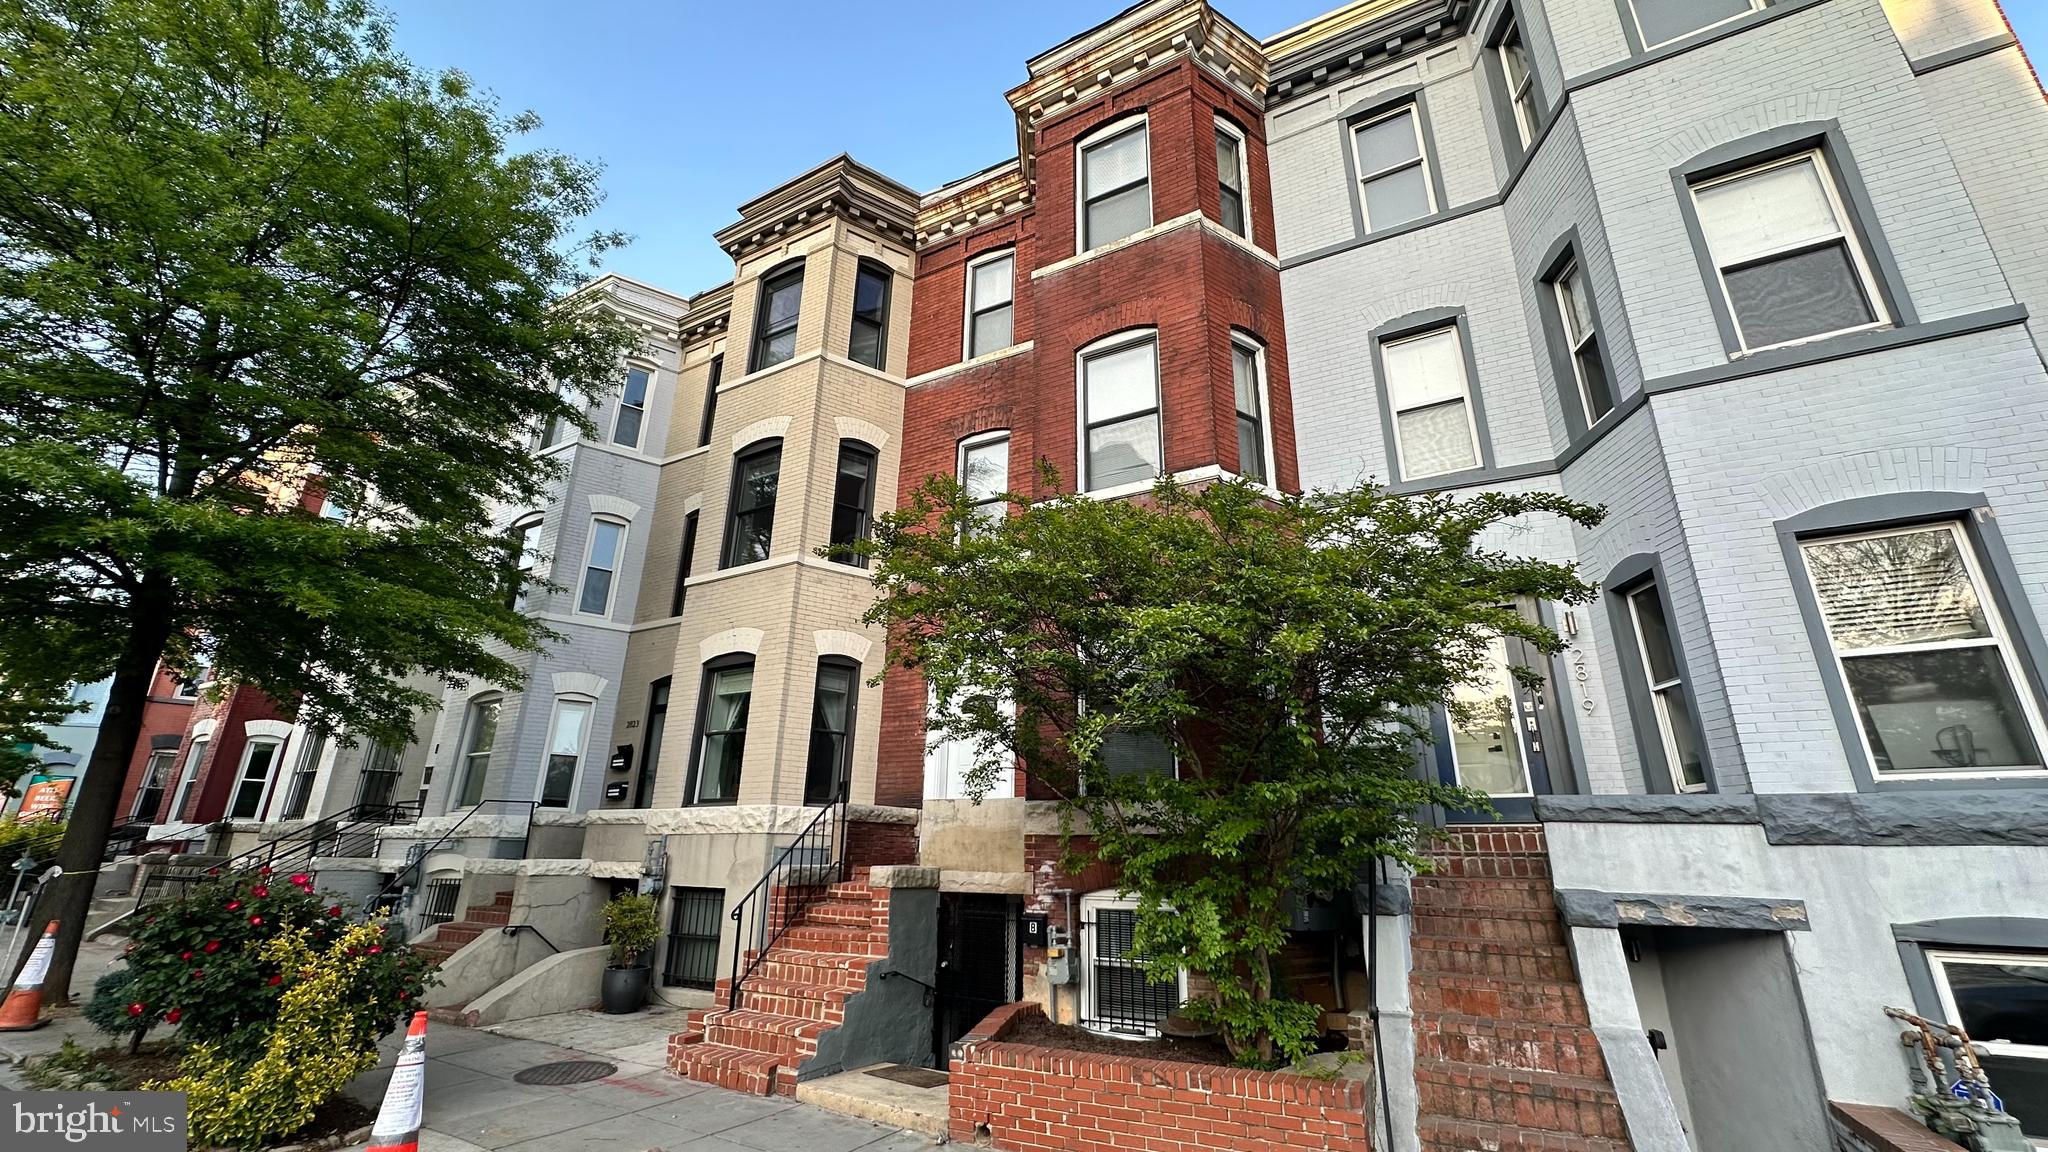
<point>580,684</point>
<point>276,729</point>
<point>731,640</point>
<point>602,504</point>
<point>771,427</point>
<point>840,642</point>
<point>204,729</point>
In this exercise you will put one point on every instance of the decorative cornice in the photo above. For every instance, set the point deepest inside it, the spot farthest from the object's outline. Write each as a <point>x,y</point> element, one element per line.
<point>969,203</point>
<point>1355,38</point>
<point>654,311</point>
<point>841,188</point>
<point>710,313</point>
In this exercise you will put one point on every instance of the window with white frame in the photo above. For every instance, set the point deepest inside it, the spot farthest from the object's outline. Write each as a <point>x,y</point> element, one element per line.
<point>2001,1000</point>
<point>1926,656</point>
<point>299,792</point>
<point>1786,257</point>
<point>524,541</point>
<point>1248,380</point>
<point>1233,178</point>
<point>1656,649</point>
<point>1486,744</point>
<point>1659,22</point>
<point>1115,185</point>
<point>479,740</point>
<point>567,736</point>
<point>252,781</point>
<point>1393,171</point>
<point>1120,412</point>
<point>985,473</point>
<point>1117,996</point>
<point>951,763</point>
<point>1582,342</point>
<point>186,779</point>
<point>991,303</point>
<point>1521,82</point>
<point>632,408</point>
<point>1435,431</point>
<point>601,565</point>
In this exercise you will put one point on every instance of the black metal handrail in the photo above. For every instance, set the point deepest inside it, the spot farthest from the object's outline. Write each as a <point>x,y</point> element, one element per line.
<point>804,871</point>
<point>302,845</point>
<point>415,867</point>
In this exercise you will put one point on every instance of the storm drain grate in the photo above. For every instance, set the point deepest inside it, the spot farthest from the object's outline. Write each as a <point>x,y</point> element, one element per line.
<point>915,1077</point>
<point>566,1072</point>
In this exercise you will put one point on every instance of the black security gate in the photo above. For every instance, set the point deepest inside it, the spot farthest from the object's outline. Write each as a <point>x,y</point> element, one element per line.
<point>980,965</point>
<point>694,918</point>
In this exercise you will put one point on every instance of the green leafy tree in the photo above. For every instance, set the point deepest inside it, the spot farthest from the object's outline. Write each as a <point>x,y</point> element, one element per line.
<point>248,251</point>
<point>1286,652</point>
<point>29,705</point>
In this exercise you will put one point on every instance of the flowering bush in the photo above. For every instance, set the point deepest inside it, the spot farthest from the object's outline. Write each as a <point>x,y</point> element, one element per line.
<point>202,962</point>
<point>322,1039</point>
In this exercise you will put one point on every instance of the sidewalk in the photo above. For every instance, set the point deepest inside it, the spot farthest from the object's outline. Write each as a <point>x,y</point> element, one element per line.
<point>95,957</point>
<point>473,1102</point>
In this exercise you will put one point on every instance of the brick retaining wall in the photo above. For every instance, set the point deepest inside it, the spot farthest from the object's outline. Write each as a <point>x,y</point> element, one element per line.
<point>1035,1099</point>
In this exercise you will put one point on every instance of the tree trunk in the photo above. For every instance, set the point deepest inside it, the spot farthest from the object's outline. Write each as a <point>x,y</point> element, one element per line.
<point>68,900</point>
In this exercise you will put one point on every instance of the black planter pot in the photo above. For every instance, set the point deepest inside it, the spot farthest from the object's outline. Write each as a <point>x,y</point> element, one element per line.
<point>625,989</point>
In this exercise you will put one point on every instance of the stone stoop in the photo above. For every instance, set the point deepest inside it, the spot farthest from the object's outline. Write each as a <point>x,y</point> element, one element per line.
<point>1505,1055</point>
<point>796,995</point>
<point>476,920</point>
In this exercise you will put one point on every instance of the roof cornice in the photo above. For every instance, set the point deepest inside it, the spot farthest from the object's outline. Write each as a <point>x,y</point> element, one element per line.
<point>710,313</point>
<point>968,204</point>
<point>1357,37</point>
<point>841,188</point>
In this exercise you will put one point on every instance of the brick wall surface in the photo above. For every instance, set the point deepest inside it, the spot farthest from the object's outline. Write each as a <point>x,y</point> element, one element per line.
<point>1021,1096</point>
<point>163,714</point>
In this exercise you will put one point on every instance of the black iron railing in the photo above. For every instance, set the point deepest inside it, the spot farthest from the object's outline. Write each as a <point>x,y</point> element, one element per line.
<point>801,875</point>
<point>438,899</point>
<point>409,877</point>
<point>353,831</point>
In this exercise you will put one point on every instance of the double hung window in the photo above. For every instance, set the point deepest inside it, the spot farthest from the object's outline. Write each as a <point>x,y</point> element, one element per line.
<point>1120,414</point>
<point>1116,187</point>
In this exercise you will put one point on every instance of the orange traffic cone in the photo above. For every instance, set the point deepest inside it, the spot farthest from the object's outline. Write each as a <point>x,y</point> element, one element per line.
<point>23,1011</point>
<point>405,1098</point>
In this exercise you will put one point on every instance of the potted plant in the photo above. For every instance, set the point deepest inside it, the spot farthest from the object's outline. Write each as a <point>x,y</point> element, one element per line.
<point>630,928</point>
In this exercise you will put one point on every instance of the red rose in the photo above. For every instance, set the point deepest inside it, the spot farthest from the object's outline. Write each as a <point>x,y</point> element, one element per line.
<point>276,980</point>
<point>184,955</point>
<point>301,879</point>
<point>376,948</point>
<point>172,1016</point>
<point>198,973</point>
<point>137,1008</point>
<point>405,995</point>
<point>212,946</point>
<point>233,905</point>
<point>334,910</point>
<point>263,871</point>
<point>256,920</point>
<point>260,891</point>
<point>213,871</point>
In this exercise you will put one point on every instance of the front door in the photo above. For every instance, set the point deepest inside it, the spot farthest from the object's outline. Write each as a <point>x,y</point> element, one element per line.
<point>980,967</point>
<point>1498,742</point>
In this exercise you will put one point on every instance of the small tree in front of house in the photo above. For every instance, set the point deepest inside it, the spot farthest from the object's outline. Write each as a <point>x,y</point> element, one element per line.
<point>1285,651</point>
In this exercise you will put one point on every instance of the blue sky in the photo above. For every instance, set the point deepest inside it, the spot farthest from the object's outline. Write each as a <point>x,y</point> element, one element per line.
<point>688,124</point>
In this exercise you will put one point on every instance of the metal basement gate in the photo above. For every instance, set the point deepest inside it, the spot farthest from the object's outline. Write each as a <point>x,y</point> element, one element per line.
<point>980,965</point>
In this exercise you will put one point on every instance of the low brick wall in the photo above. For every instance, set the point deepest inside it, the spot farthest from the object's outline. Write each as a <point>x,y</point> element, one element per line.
<point>1047,1100</point>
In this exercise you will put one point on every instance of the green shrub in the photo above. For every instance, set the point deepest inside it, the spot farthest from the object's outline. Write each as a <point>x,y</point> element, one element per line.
<point>108,1008</point>
<point>36,839</point>
<point>201,962</point>
<point>630,928</point>
<point>322,1039</point>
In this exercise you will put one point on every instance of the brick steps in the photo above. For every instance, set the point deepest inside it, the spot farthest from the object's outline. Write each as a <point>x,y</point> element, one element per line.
<point>1505,1058</point>
<point>476,920</point>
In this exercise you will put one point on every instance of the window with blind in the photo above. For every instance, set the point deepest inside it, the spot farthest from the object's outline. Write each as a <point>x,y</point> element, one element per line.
<point>601,559</point>
<point>1393,172</point>
<point>632,408</point>
<point>1116,186</point>
<point>1120,413</point>
<point>991,303</point>
<point>1248,378</point>
<point>1232,179</point>
<point>1787,260</point>
<point>1926,658</point>
<point>1117,996</point>
<point>1431,403</point>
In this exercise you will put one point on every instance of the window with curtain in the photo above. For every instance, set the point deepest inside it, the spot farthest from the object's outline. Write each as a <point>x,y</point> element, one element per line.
<point>868,343</point>
<point>1393,171</point>
<point>632,409</point>
<point>782,296</point>
<point>831,749</point>
<point>1120,414</point>
<point>479,739</point>
<point>606,548</point>
<point>1231,179</point>
<point>853,501</point>
<point>991,303</point>
<point>1581,341</point>
<point>750,526</point>
<point>566,740</point>
<point>728,695</point>
<point>1116,187</point>
<point>1656,649</point>
<point>1929,666</point>
<point>1248,378</point>
<point>1789,264</point>
<point>1431,401</point>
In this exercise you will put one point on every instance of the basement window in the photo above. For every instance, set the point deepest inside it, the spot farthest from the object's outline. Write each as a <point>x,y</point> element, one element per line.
<point>1117,997</point>
<point>2001,1000</point>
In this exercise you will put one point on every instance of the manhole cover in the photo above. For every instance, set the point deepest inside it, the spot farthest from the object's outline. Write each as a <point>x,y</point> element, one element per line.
<point>567,1072</point>
<point>915,1077</point>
